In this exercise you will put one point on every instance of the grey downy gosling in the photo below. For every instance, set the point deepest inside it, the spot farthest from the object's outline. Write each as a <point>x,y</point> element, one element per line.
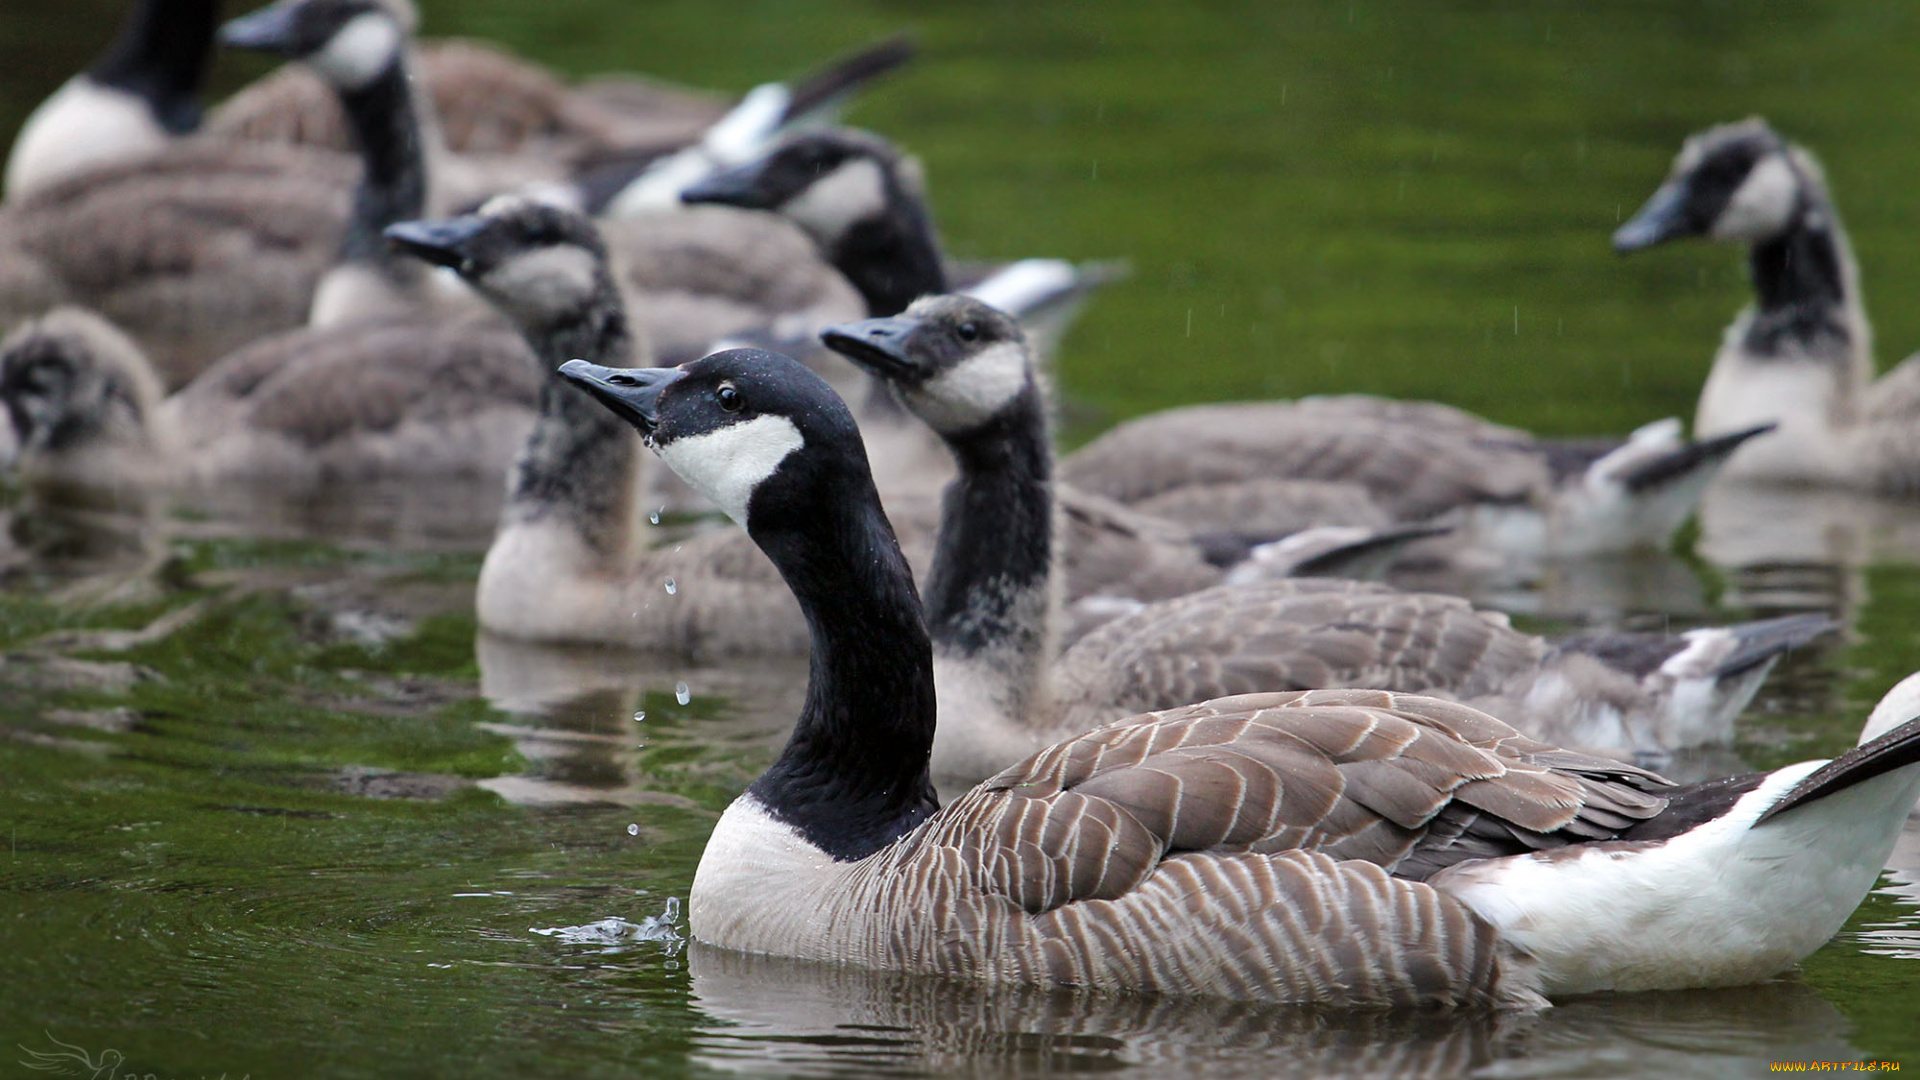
<point>136,99</point>
<point>84,410</point>
<point>1339,846</point>
<point>1802,353</point>
<point>852,192</point>
<point>992,601</point>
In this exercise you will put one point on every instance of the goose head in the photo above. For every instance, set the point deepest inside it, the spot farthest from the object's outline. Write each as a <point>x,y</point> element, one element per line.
<point>827,182</point>
<point>350,43</point>
<point>541,265</point>
<point>756,432</point>
<point>1739,182</point>
<point>71,382</point>
<point>956,362</point>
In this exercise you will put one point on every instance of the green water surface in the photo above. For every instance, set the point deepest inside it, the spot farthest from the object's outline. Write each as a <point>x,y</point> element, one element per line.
<point>268,811</point>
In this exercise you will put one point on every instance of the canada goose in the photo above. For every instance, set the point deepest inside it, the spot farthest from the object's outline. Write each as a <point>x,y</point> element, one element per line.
<point>568,562</point>
<point>140,95</point>
<point>84,408</point>
<point>854,195</point>
<point>1802,354</point>
<point>611,143</point>
<point>359,48</point>
<point>194,251</point>
<point>1349,846</point>
<point>965,369</point>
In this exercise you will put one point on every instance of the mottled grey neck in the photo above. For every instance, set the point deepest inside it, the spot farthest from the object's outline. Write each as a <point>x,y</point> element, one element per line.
<point>1801,283</point>
<point>854,776</point>
<point>989,590</point>
<point>386,127</point>
<point>579,461</point>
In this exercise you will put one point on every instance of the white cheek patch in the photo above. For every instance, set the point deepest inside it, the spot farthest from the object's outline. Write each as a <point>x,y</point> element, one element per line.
<point>1763,205</point>
<point>973,391</point>
<point>727,464</point>
<point>835,202</point>
<point>540,285</point>
<point>358,51</point>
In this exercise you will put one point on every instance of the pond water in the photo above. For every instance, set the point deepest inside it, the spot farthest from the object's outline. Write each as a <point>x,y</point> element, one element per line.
<point>271,807</point>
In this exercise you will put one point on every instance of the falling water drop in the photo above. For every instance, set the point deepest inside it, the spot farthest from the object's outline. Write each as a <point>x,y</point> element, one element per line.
<point>654,518</point>
<point>673,587</point>
<point>633,829</point>
<point>640,717</point>
<point>681,693</point>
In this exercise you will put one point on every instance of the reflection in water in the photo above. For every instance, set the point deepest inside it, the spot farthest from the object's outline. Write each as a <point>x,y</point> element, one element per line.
<point>574,709</point>
<point>1901,937</point>
<point>1803,548</point>
<point>781,1017</point>
<point>443,513</point>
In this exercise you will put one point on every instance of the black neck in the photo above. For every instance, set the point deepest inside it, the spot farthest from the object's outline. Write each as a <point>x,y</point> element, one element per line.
<point>579,460</point>
<point>162,55</point>
<point>996,534</point>
<point>387,129</point>
<point>854,777</point>
<point>1801,286</point>
<point>893,259</point>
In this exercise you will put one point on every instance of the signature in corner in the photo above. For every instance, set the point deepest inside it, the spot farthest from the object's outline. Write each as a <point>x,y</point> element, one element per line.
<point>71,1060</point>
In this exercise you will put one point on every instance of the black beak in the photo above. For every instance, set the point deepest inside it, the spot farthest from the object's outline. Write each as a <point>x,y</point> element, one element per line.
<point>735,187</point>
<point>879,346</point>
<point>1663,218</point>
<point>442,243</point>
<point>269,30</point>
<point>632,393</point>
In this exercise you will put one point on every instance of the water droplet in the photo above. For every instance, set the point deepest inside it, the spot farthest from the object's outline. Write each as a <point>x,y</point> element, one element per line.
<point>654,517</point>
<point>681,694</point>
<point>640,717</point>
<point>633,829</point>
<point>673,587</point>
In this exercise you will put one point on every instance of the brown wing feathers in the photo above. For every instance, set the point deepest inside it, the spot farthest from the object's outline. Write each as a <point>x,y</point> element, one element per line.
<point>1410,783</point>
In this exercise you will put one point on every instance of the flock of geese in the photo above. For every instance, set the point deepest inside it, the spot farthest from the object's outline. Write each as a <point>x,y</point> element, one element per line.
<point>1208,760</point>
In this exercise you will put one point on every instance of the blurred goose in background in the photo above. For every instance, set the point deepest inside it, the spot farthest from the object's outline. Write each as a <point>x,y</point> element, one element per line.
<point>1417,460</point>
<point>1802,354</point>
<point>84,408</point>
<point>992,598</point>
<point>570,562</point>
<point>1443,857</point>
<point>139,96</point>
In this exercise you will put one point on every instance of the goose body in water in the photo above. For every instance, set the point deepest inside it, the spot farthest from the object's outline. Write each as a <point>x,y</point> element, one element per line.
<point>991,595</point>
<point>1340,846</point>
<point>1802,354</point>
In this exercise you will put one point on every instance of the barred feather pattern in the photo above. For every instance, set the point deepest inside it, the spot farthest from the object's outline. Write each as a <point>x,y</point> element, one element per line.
<point>1301,634</point>
<point>1415,459</point>
<point>1264,847</point>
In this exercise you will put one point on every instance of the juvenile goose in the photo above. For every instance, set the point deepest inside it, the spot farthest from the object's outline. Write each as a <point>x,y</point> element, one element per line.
<point>84,409</point>
<point>853,194</point>
<point>1802,354</point>
<point>140,95</point>
<point>569,561</point>
<point>1336,846</point>
<point>991,596</point>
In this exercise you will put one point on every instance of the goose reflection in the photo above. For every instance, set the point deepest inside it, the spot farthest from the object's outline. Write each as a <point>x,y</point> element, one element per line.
<point>770,1016</point>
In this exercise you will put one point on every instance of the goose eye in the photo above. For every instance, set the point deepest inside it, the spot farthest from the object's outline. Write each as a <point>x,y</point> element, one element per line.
<point>967,331</point>
<point>729,399</point>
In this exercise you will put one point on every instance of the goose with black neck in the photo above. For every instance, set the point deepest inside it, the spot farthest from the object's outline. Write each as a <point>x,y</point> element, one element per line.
<point>1257,847</point>
<point>992,600</point>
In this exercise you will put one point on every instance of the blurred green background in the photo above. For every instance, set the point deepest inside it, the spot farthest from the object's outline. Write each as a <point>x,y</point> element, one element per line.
<point>1400,197</point>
